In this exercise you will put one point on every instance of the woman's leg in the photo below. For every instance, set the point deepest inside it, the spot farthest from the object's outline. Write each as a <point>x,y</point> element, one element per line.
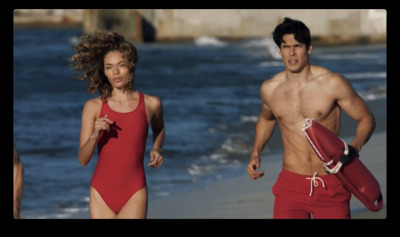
<point>98,209</point>
<point>136,207</point>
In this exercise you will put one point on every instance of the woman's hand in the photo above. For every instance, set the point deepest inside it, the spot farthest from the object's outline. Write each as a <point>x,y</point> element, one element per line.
<point>156,159</point>
<point>101,124</point>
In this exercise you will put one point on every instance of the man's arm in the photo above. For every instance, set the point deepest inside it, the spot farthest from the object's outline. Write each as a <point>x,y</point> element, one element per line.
<point>353,105</point>
<point>264,129</point>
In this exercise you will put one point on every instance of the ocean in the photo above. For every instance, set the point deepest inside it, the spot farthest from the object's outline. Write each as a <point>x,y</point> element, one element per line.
<point>210,93</point>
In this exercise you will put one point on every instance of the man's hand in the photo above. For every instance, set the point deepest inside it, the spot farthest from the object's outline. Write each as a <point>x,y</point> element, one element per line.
<point>252,166</point>
<point>346,159</point>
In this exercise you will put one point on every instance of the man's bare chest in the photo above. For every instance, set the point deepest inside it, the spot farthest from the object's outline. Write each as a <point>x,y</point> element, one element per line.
<point>296,104</point>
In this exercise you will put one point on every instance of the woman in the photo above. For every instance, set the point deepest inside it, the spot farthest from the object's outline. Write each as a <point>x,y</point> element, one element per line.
<point>117,121</point>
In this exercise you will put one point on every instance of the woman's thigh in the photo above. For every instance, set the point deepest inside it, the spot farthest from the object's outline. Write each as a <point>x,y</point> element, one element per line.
<point>136,206</point>
<point>98,209</point>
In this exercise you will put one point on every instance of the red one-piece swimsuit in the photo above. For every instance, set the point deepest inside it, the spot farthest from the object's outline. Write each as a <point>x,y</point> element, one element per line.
<point>119,172</point>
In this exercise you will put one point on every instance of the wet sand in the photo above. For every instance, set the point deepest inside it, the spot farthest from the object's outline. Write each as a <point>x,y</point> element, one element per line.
<point>242,198</point>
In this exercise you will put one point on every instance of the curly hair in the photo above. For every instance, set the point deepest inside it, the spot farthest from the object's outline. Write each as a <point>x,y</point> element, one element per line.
<point>89,59</point>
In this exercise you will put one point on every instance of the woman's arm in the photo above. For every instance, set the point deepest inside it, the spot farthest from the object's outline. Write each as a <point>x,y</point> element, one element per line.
<point>157,126</point>
<point>18,183</point>
<point>91,128</point>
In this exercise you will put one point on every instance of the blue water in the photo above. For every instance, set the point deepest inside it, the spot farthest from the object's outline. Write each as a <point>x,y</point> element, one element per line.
<point>210,92</point>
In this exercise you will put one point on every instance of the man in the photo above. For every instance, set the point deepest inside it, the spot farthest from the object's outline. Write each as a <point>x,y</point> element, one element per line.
<point>18,183</point>
<point>303,189</point>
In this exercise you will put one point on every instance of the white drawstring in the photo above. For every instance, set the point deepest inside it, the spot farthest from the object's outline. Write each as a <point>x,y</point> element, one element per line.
<point>314,182</point>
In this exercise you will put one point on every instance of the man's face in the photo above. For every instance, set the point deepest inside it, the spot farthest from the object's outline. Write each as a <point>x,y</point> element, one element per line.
<point>294,54</point>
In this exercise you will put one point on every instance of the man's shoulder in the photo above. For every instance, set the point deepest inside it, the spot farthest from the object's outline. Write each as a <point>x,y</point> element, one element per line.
<point>273,81</point>
<point>330,80</point>
<point>323,72</point>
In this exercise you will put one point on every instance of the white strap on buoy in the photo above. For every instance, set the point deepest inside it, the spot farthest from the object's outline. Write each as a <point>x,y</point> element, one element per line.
<point>308,123</point>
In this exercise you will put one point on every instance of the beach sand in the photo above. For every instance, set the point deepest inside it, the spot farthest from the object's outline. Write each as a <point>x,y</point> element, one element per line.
<point>242,198</point>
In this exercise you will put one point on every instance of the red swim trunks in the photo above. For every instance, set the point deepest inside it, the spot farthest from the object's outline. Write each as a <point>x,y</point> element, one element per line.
<point>303,196</point>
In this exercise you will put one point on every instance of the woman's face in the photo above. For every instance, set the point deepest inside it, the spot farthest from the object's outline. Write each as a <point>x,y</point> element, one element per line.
<point>116,69</point>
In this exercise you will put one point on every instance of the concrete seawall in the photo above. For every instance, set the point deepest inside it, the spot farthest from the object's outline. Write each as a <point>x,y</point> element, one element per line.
<point>48,18</point>
<point>327,26</point>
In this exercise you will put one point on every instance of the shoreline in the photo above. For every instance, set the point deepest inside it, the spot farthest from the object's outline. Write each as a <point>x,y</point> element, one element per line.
<point>242,198</point>
<point>238,197</point>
